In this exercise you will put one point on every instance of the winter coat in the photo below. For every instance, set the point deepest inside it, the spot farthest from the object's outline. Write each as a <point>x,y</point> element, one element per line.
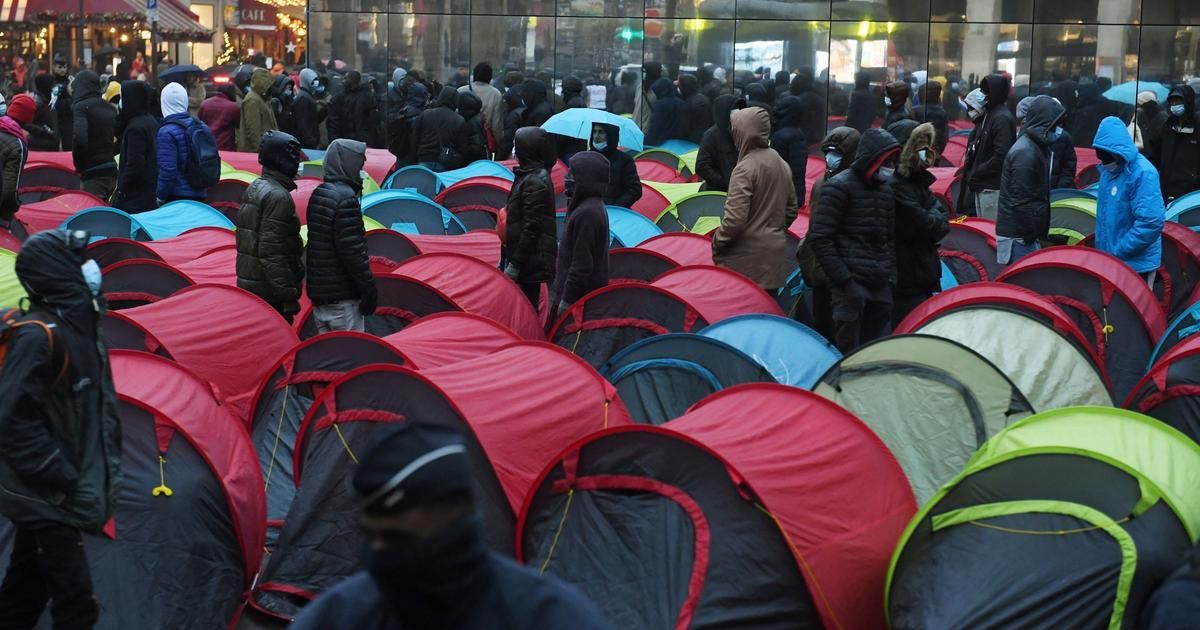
<point>572,92</point>
<point>222,117</point>
<point>1152,119</point>
<point>759,207</point>
<point>515,598</point>
<point>921,220</point>
<point>698,112</point>
<point>308,111</point>
<point>138,173</point>
<point>532,228</point>
<point>812,105</point>
<point>789,141</point>
<point>61,453</point>
<point>989,142</point>
<point>338,267</point>
<point>864,104</point>
<point>935,115</point>
<point>537,110</point>
<point>1087,114</point>
<point>845,140</point>
<point>667,121</point>
<point>717,155</point>
<point>441,126</point>
<point>1178,157</point>
<point>492,106</point>
<point>1024,211</point>
<point>43,131</point>
<point>94,140</point>
<point>173,149</point>
<point>64,108</point>
<point>624,184</point>
<point>1065,162</point>
<point>475,146</point>
<point>583,250</point>
<point>257,117</point>
<point>514,119</point>
<point>270,253</point>
<point>1129,205</point>
<point>402,127</point>
<point>853,223</point>
<point>352,114</point>
<point>13,153</point>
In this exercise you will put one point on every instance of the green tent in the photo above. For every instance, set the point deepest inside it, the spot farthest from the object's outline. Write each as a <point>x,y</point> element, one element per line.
<point>675,192</point>
<point>1072,219</point>
<point>11,290</point>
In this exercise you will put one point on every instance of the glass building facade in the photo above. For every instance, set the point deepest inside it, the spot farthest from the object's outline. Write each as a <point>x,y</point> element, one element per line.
<point>1037,42</point>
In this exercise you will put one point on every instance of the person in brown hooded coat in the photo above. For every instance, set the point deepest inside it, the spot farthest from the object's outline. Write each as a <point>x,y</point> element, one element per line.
<point>921,219</point>
<point>759,207</point>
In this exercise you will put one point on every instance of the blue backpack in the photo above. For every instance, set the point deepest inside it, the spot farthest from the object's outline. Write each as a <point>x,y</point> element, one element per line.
<point>203,168</point>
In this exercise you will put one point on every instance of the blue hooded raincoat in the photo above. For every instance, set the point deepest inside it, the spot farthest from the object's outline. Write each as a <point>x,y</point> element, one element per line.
<point>1129,206</point>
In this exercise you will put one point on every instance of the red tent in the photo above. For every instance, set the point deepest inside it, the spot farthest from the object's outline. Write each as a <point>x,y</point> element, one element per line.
<point>379,162</point>
<point>476,287</point>
<point>242,161</point>
<point>225,335</point>
<point>799,227</point>
<point>446,338</point>
<point>712,502</point>
<point>682,247</point>
<point>942,186</point>
<point>304,190</point>
<point>192,244</point>
<point>651,204</point>
<point>137,281</point>
<point>482,246</point>
<point>9,242</point>
<point>655,171</point>
<point>814,174</point>
<point>717,293</point>
<point>218,266</point>
<point>60,159</point>
<point>51,213</point>
<point>956,150</point>
<point>476,191</point>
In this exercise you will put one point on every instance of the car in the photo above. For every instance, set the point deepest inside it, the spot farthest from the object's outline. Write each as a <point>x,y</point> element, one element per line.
<point>219,76</point>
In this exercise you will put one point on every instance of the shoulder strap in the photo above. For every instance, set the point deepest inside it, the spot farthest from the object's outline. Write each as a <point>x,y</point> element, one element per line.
<point>56,354</point>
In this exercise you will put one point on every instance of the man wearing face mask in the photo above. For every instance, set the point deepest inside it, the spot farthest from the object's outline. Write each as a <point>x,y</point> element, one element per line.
<point>426,566</point>
<point>61,101</point>
<point>1129,206</point>
<point>270,261</point>
<point>1023,220</point>
<point>624,184</point>
<point>921,220</point>
<point>308,111</point>
<point>60,457</point>
<point>994,133</point>
<point>853,235</point>
<point>257,116</point>
<point>1177,154</point>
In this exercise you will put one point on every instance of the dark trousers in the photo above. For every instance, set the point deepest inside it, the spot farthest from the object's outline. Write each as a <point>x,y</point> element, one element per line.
<point>860,317</point>
<point>533,291</point>
<point>102,187</point>
<point>48,564</point>
<point>905,304</point>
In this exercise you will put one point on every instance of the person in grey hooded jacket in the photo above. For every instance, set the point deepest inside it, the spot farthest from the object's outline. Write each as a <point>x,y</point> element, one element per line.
<point>308,111</point>
<point>1023,219</point>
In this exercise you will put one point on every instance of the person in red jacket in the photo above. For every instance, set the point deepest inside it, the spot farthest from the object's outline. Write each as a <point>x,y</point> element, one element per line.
<point>222,114</point>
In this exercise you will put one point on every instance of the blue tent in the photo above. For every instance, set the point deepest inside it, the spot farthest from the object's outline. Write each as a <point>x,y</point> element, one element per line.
<point>1184,209</point>
<point>948,279</point>
<point>628,228</point>
<point>678,147</point>
<point>792,352</point>
<point>104,222</point>
<point>1182,327</point>
<point>417,179</point>
<point>410,213</point>
<point>478,168</point>
<point>177,217</point>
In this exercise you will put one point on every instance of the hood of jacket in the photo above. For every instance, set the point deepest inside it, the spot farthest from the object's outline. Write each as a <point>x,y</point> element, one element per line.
<point>261,80</point>
<point>897,91</point>
<point>922,136</point>
<point>418,95</point>
<point>902,129</point>
<point>307,77</point>
<point>1189,101</point>
<point>862,80</point>
<point>801,83</point>
<point>398,75</point>
<point>844,140</point>
<point>87,85</point>
<point>789,112</point>
<point>43,84</point>
<point>751,129</point>
<point>931,94</point>
<point>535,148</point>
<point>1089,94</point>
<point>1113,136</point>
<point>49,271</point>
<point>590,170</point>
<point>448,97</point>
<point>174,100</point>
<point>722,107</point>
<point>571,86</point>
<point>688,85</point>
<point>534,93</point>
<point>469,105</point>
<point>135,98</point>
<point>663,88</point>
<point>995,88</point>
<point>513,99</point>
<point>1044,113</point>
<point>344,161</point>
<point>756,93</point>
<point>613,133</point>
<point>872,147</point>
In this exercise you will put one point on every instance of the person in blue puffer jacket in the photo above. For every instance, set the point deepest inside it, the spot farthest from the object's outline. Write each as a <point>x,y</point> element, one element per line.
<point>173,148</point>
<point>1129,205</point>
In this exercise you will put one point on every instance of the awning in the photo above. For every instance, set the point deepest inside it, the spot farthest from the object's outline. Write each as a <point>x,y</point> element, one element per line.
<point>175,21</point>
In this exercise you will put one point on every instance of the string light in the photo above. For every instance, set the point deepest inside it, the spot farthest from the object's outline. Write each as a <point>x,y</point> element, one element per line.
<point>226,50</point>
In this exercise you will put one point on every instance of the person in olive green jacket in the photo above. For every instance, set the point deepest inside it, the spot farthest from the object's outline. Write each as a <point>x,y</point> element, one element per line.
<point>257,117</point>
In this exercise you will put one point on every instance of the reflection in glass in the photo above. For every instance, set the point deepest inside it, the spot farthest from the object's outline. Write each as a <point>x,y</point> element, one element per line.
<point>781,46</point>
<point>1170,12</point>
<point>960,55</point>
<point>981,11</point>
<point>433,44</point>
<point>597,50</point>
<point>897,10</point>
<point>690,8</point>
<point>1169,54</point>
<point>1089,11</point>
<point>357,40</point>
<point>601,8</point>
<point>685,45</point>
<point>784,10</point>
<point>514,43</point>
<point>886,51</point>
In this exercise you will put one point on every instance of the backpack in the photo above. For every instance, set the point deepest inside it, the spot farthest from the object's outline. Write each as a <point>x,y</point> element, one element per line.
<point>203,168</point>
<point>12,319</point>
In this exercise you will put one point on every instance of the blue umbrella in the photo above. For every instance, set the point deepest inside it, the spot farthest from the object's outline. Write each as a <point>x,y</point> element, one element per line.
<point>577,123</point>
<point>1127,92</point>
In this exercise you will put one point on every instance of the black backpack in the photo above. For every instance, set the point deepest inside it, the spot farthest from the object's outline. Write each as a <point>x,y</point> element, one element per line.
<point>203,168</point>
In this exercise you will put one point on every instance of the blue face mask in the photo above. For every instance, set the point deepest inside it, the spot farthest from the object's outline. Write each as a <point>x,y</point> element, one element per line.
<point>1178,110</point>
<point>1055,135</point>
<point>91,275</point>
<point>923,155</point>
<point>833,159</point>
<point>1113,167</point>
<point>885,173</point>
<point>600,146</point>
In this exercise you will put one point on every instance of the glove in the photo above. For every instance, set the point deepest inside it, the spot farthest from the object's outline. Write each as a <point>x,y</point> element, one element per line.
<point>512,272</point>
<point>366,306</point>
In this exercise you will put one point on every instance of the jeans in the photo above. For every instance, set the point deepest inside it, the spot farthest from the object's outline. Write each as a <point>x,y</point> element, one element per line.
<point>1010,250</point>
<point>860,315</point>
<point>102,187</point>
<point>987,204</point>
<point>436,167</point>
<point>48,564</point>
<point>343,315</point>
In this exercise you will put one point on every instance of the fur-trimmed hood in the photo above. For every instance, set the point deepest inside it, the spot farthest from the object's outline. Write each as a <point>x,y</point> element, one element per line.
<point>923,137</point>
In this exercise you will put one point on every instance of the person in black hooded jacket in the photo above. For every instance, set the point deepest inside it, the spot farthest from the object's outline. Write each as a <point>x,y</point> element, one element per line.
<point>931,111</point>
<point>339,279</point>
<point>624,184</point>
<point>789,142</point>
<point>667,121</point>
<point>986,148</point>
<point>475,145</point>
<point>531,229</point>
<point>757,96</point>
<point>717,155</point>
<point>352,112</point>
<point>1089,111</point>
<point>61,454</point>
<point>696,107</point>
<point>43,131</point>
<point>811,103</point>
<point>514,119</point>
<point>61,101</point>
<point>94,137</point>
<point>1023,220</point>
<point>572,92</point>
<point>921,220</point>
<point>537,109</point>
<point>853,235</point>
<point>864,104</point>
<point>1178,151</point>
<point>709,87</point>
<point>402,128</point>
<point>583,251</point>
<point>438,128</point>
<point>138,174</point>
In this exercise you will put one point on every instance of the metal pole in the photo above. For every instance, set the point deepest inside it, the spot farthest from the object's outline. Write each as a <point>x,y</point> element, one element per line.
<point>154,49</point>
<point>79,44</point>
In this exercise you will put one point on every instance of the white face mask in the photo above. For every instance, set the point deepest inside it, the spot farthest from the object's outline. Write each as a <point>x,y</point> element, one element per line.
<point>600,146</point>
<point>91,275</point>
<point>1178,110</point>
<point>923,155</point>
<point>887,101</point>
<point>973,114</point>
<point>885,173</point>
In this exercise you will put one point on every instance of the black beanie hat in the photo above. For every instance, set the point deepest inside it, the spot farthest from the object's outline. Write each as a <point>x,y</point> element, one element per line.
<point>413,464</point>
